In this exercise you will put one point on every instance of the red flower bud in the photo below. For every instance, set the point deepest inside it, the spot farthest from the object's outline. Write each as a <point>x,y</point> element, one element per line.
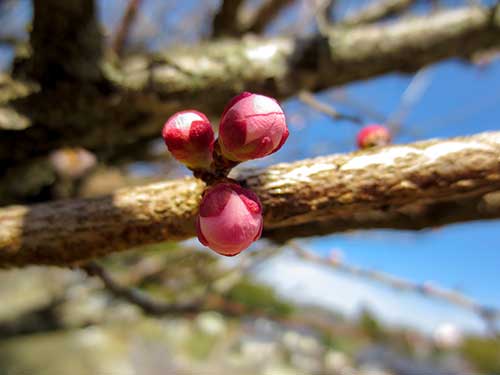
<point>230,219</point>
<point>252,126</point>
<point>373,135</point>
<point>190,138</point>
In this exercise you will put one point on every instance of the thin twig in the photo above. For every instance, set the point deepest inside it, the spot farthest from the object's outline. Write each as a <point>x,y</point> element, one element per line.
<point>134,296</point>
<point>311,101</point>
<point>359,106</point>
<point>9,40</point>
<point>152,306</point>
<point>266,14</point>
<point>123,30</point>
<point>376,12</point>
<point>489,314</point>
<point>226,20</point>
<point>413,93</point>
<point>323,14</point>
<point>224,282</point>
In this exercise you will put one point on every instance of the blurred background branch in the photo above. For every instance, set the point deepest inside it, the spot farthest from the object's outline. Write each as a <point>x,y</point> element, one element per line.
<point>146,89</point>
<point>328,110</point>
<point>122,32</point>
<point>377,11</point>
<point>489,314</point>
<point>266,14</point>
<point>226,21</point>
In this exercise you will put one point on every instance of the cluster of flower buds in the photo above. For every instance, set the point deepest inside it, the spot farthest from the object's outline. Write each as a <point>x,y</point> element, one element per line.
<point>252,126</point>
<point>372,136</point>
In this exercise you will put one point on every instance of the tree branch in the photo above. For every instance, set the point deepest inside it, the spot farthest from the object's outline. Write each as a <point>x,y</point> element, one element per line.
<point>212,297</point>
<point>66,41</point>
<point>45,318</point>
<point>266,14</point>
<point>122,32</point>
<point>226,21</point>
<point>148,89</point>
<point>9,40</point>
<point>377,11</point>
<point>393,187</point>
<point>490,315</point>
<point>324,15</point>
<point>134,296</point>
<point>425,289</point>
<point>309,99</point>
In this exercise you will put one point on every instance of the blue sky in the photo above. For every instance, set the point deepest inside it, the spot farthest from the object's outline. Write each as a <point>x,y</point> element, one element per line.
<point>458,99</point>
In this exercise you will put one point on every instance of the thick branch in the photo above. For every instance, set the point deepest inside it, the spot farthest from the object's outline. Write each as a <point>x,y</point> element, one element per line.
<point>389,187</point>
<point>66,41</point>
<point>148,89</point>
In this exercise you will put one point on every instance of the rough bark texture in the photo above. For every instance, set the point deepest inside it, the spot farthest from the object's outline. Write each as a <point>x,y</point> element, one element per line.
<point>146,90</point>
<point>396,186</point>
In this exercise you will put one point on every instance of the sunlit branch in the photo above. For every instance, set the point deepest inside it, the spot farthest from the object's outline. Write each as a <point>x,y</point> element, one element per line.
<point>411,186</point>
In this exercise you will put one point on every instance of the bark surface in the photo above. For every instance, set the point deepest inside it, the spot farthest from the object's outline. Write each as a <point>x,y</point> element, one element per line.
<point>406,186</point>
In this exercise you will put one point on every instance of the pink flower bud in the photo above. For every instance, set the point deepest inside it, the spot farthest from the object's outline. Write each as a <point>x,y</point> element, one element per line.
<point>252,126</point>
<point>190,138</point>
<point>230,219</point>
<point>373,135</point>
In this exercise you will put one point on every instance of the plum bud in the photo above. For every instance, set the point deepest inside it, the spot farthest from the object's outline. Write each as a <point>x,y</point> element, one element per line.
<point>252,126</point>
<point>230,218</point>
<point>190,138</point>
<point>373,135</point>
